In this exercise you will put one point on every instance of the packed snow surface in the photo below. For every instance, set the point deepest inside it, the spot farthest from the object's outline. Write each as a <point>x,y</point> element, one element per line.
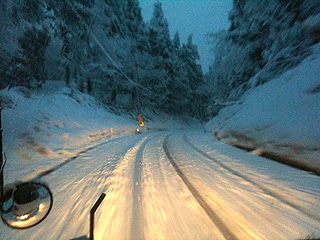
<point>281,116</point>
<point>223,189</point>
<point>147,199</point>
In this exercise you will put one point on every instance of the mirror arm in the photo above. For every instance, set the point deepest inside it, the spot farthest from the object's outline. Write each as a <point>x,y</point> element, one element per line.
<point>92,211</point>
<point>1,157</point>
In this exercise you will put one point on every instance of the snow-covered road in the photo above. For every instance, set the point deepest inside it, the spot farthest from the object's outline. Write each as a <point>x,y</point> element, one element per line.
<point>178,185</point>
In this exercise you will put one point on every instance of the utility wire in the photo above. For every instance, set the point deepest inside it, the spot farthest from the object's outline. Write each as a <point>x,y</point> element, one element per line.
<point>100,45</point>
<point>111,59</point>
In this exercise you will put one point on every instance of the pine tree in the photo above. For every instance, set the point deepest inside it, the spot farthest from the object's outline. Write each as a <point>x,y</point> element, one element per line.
<point>189,56</point>
<point>176,42</point>
<point>133,21</point>
<point>265,39</point>
<point>161,50</point>
<point>159,34</point>
<point>114,17</point>
<point>71,18</point>
<point>5,39</point>
<point>25,39</point>
<point>32,69</point>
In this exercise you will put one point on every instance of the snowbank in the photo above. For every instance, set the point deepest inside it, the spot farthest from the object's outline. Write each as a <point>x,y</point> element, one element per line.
<point>44,128</point>
<point>280,118</point>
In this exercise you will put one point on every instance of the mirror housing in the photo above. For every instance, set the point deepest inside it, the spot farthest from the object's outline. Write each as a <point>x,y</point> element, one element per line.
<point>25,204</point>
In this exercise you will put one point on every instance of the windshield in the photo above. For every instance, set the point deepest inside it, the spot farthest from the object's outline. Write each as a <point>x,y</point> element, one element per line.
<point>192,119</point>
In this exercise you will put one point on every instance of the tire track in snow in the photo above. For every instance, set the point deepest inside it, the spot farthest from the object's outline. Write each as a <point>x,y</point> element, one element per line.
<point>88,187</point>
<point>137,221</point>
<point>120,215</point>
<point>209,211</point>
<point>76,187</point>
<point>137,213</point>
<point>60,165</point>
<point>168,204</point>
<point>264,189</point>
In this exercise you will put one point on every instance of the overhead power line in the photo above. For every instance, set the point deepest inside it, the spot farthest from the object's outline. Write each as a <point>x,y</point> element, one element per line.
<point>100,45</point>
<point>111,59</point>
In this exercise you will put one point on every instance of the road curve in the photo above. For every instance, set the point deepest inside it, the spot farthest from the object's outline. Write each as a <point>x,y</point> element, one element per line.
<point>173,185</point>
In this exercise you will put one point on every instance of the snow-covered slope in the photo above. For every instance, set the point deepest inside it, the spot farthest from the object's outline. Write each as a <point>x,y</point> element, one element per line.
<point>281,117</point>
<point>41,129</point>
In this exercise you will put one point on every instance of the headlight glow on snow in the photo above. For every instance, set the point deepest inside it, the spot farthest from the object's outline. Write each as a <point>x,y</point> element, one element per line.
<point>23,217</point>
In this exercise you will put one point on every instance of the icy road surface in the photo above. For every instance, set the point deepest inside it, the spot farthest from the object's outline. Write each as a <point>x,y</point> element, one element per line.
<point>178,185</point>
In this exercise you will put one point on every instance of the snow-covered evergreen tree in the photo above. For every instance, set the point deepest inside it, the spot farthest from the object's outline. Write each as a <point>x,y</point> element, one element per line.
<point>70,19</point>
<point>265,39</point>
<point>159,34</point>
<point>32,61</point>
<point>24,41</point>
<point>6,40</point>
<point>189,56</point>
<point>103,48</point>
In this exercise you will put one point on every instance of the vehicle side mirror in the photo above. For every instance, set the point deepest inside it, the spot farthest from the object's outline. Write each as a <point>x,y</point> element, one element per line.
<point>25,204</point>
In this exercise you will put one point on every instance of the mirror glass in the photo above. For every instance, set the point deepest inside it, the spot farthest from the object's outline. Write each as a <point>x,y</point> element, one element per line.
<point>25,204</point>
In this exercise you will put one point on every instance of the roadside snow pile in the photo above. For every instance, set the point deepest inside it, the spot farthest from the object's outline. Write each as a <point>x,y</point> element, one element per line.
<point>280,118</point>
<point>41,129</point>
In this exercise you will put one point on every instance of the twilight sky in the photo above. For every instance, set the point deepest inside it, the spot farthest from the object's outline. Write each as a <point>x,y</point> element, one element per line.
<point>193,16</point>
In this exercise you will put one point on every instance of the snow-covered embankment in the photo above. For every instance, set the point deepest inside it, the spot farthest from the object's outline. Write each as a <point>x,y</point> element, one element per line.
<point>41,129</point>
<point>280,118</point>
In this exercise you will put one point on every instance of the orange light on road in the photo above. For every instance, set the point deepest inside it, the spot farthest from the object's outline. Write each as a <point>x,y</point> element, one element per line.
<point>65,136</point>
<point>141,123</point>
